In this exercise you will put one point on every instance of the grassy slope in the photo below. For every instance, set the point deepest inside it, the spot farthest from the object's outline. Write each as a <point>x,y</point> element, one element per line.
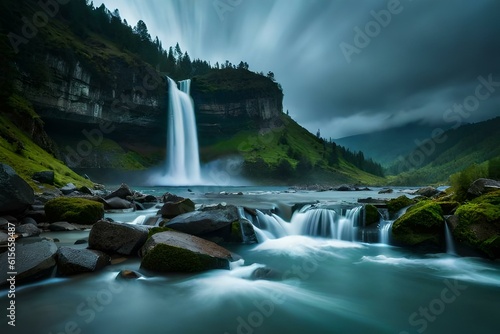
<point>276,144</point>
<point>467,145</point>
<point>26,157</point>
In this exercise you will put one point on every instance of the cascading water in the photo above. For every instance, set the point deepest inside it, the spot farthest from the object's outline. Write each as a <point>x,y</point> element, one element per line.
<point>312,222</point>
<point>450,244</point>
<point>183,162</point>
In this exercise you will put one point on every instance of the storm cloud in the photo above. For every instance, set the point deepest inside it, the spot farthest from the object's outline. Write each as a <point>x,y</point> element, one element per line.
<point>346,67</point>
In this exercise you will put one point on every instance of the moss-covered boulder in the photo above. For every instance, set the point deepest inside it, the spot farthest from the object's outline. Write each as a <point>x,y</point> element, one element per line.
<point>173,251</point>
<point>74,210</point>
<point>422,223</point>
<point>396,204</point>
<point>371,215</point>
<point>479,224</point>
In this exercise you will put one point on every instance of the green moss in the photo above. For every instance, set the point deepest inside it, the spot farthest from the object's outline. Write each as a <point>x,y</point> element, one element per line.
<point>74,210</point>
<point>396,204</point>
<point>371,215</point>
<point>423,223</point>
<point>166,258</point>
<point>236,233</point>
<point>479,223</point>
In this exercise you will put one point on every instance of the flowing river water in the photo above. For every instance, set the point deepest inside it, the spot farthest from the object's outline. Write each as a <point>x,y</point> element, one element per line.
<point>314,284</point>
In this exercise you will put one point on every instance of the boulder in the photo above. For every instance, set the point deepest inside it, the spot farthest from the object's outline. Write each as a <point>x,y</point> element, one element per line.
<point>386,191</point>
<point>128,274</point>
<point>86,190</point>
<point>266,273</point>
<point>46,177</point>
<point>117,203</point>
<point>15,194</point>
<point>81,241</point>
<point>62,226</point>
<point>118,238</point>
<point>74,210</point>
<point>168,197</point>
<point>202,222</point>
<point>422,223</point>
<point>427,192</point>
<point>173,251</point>
<point>28,220</point>
<point>173,209</point>
<point>28,230</point>
<point>121,192</point>
<point>68,189</point>
<point>396,204</point>
<point>4,238</point>
<point>479,224</point>
<point>371,215</point>
<point>34,260</point>
<point>482,186</point>
<point>72,261</point>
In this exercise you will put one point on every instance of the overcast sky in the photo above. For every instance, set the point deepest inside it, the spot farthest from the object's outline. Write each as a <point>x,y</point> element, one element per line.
<point>347,67</point>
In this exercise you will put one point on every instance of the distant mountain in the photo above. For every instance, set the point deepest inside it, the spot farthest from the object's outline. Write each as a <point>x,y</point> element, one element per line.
<point>435,160</point>
<point>388,145</point>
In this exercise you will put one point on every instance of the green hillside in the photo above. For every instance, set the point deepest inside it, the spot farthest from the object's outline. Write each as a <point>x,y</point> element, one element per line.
<point>289,154</point>
<point>467,145</point>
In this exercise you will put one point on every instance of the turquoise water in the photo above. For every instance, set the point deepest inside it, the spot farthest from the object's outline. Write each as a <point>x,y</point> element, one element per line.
<point>318,286</point>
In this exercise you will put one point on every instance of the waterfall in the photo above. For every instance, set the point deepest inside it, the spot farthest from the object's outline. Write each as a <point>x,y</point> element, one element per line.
<point>183,162</point>
<point>450,244</point>
<point>385,227</point>
<point>312,222</point>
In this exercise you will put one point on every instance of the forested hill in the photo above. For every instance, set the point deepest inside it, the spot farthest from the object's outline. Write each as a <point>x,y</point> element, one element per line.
<point>436,159</point>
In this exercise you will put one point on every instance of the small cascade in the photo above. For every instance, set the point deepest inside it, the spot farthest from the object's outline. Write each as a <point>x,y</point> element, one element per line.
<point>385,227</point>
<point>450,243</point>
<point>324,223</point>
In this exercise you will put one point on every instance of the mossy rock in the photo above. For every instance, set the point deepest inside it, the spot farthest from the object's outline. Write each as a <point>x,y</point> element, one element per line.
<point>448,207</point>
<point>422,223</point>
<point>236,233</point>
<point>396,204</point>
<point>479,224</point>
<point>158,229</point>
<point>371,215</point>
<point>74,210</point>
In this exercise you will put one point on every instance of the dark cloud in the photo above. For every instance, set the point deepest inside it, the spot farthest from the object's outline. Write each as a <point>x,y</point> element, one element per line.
<point>427,58</point>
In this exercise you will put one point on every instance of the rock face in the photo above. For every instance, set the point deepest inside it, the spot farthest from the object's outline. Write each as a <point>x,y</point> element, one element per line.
<point>15,194</point>
<point>422,223</point>
<point>202,222</point>
<point>179,252</point>
<point>33,261</point>
<point>479,224</point>
<point>74,210</point>
<point>118,238</point>
<point>76,261</point>
<point>482,186</point>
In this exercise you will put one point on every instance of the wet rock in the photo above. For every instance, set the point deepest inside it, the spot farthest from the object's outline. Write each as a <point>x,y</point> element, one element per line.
<point>169,197</point>
<point>202,222</point>
<point>386,191</point>
<point>62,226</point>
<point>266,273</point>
<point>427,192</point>
<point>81,241</point>
<point>86,190</point>
<point>46,177</point>
<point>121,192</point>
<point>4,238</point>
<point>28,230</point>
<point>34,260</point>
<point>28,220</point>
<point>118,238</point>
<point>72,261</point>
<point>15,194</point>
<point>482,186</point>
<point>173,209</point>
<point>173,251</point>
<point>117,203</point>
<point>68,189</point>
<point>128,274</point>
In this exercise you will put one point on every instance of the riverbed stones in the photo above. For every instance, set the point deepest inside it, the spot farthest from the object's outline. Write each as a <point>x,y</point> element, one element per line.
<point>173,209</point>
<point>34,260</point>
<point>112,237</point>
<point>202,222</point>
<point>173,251</point>
<point>72,261</point>
<point>15,194</point>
